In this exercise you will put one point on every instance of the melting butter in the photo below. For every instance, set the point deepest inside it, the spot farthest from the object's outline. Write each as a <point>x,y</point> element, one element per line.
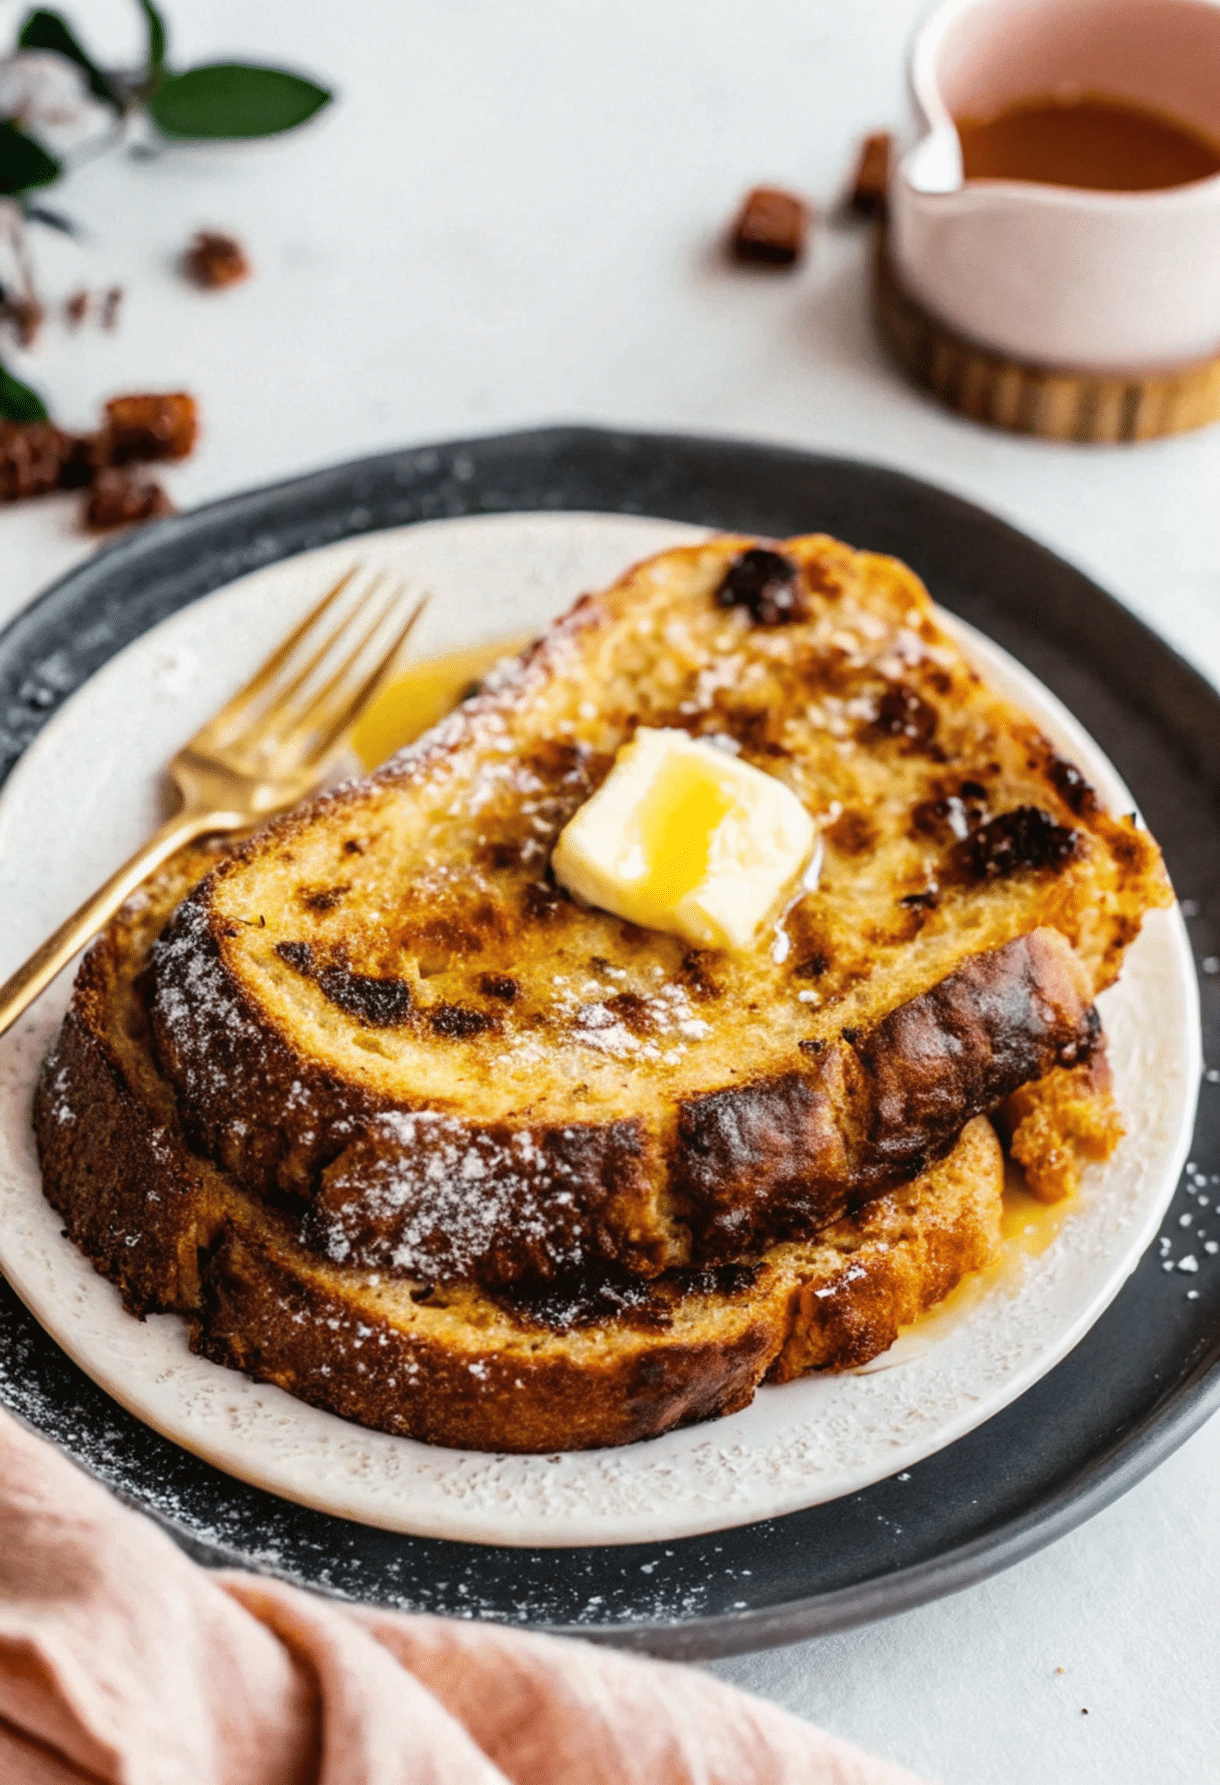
<point>683,836</point>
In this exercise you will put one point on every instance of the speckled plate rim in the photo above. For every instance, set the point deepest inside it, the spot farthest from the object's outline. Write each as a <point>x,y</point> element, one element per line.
<point>1139,1384</point>
<point>796,1446</point>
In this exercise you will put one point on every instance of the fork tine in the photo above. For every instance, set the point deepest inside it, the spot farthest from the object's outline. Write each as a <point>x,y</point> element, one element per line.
<point>334,684</point>
<point>336,725</point>
<point>287,737</point>
<point>280,710</point>
<point>266,673</point>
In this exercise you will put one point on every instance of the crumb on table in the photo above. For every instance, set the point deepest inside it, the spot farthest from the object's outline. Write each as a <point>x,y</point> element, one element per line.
<point>771,227</point>
<point>37,457</point>
<point>213,260</point>
<point>871,184</point>
<point>121,495</point>
<point>143,428</point>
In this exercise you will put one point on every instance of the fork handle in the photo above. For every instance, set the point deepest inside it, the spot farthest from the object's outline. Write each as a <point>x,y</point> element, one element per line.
<point>30,981</point>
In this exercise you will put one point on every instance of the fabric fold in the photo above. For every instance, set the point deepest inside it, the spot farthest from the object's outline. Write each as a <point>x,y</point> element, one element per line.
<point>124,1663</point>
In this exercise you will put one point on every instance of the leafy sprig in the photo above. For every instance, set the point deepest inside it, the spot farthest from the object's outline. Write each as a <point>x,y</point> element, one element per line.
<point>47,31</point>
<point>216,101</point>
<point>24,164</point>
<point>156,41</point>
<point>230,99</point>
<point>18,402</point>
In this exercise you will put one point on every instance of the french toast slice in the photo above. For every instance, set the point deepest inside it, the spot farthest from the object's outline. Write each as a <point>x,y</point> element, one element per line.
<point>603,1363</point>
<point>382,1013</point>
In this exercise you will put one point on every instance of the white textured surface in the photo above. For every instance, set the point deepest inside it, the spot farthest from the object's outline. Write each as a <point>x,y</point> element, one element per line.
<point>808,1441</point>
<point>511,220</point>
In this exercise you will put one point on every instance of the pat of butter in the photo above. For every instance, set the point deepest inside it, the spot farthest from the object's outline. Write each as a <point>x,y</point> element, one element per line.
<point>683,837</point>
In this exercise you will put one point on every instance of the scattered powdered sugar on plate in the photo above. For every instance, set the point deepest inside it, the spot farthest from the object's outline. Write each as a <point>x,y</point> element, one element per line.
<point>806,1442</point>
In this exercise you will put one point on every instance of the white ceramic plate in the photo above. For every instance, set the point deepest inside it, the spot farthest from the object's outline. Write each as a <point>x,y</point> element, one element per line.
<point>88,790</point>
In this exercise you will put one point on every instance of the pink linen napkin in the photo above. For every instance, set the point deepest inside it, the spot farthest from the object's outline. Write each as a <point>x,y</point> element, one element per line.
<point>122,1661</point>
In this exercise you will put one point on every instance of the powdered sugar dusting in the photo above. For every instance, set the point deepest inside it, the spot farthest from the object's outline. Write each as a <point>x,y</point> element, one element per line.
<point>196,1006</point>
<point>806,1442</point>
<point>444,1195</point>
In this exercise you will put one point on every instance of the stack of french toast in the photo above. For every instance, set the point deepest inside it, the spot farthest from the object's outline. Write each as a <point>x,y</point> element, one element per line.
<point>401,1124</point>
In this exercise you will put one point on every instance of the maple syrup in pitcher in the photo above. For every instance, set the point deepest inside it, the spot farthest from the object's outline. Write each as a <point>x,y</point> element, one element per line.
<point>1090,140</point>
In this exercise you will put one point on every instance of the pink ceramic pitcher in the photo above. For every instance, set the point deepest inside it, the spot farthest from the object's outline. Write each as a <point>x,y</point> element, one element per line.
<point>1054,274</point>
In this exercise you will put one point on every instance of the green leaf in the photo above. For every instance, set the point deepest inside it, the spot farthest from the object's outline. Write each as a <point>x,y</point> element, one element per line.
<point>24,164</point>
<point>47,31</point>
<point>156,41</point>
<point>18,402</point>
<point>232,99</point>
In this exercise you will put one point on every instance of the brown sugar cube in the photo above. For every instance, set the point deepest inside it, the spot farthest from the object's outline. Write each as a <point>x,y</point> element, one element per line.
<point>770,228</point>
<point>78,460</point>
<point>213,260</point>
<point>868,193</point>
<point>122,497</point>
<point>142,428</point>
<point>30,457</point>
<point>36,457</point>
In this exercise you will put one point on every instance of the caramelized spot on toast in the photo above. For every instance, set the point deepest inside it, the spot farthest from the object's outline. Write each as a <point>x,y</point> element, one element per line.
<point>379,1003</point>
<point>297,954</point>
<point>460,1021</point>
<point>632,1011</point>
<point>905,715</point>
<point>813,966</point>
<point>852,833</point>
<point>953,814</point>
<point>1073,788</point>
<point>1025,839</point>
<point>566,1307</point>
<point>699,974</point>
<point>626,1302</point>
<point>323,898</point>
<point>499,985</point>
<point>768,584</point>
<point>542,900</point>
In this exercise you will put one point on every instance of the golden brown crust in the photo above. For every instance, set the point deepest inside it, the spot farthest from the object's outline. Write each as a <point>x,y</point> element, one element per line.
<point>382,1001</point>
<point>861,1318</point>
<point>783,1156</point>
<point>275,1316</point>
<point>1053,1126</point>
<point>441,1195</point>
<point>460,1367</point>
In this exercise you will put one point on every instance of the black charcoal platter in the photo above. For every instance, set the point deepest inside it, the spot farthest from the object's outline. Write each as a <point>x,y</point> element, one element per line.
<point>1141,1381</point>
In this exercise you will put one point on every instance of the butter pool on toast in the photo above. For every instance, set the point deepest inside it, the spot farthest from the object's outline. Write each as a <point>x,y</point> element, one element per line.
<point>397,1122</point>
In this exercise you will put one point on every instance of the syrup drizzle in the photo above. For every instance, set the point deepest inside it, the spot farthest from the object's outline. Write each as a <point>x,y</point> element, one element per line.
<point>1027,1229</point>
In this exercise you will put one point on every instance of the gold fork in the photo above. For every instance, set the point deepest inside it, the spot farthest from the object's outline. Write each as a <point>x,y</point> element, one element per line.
<point>263,751</point>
